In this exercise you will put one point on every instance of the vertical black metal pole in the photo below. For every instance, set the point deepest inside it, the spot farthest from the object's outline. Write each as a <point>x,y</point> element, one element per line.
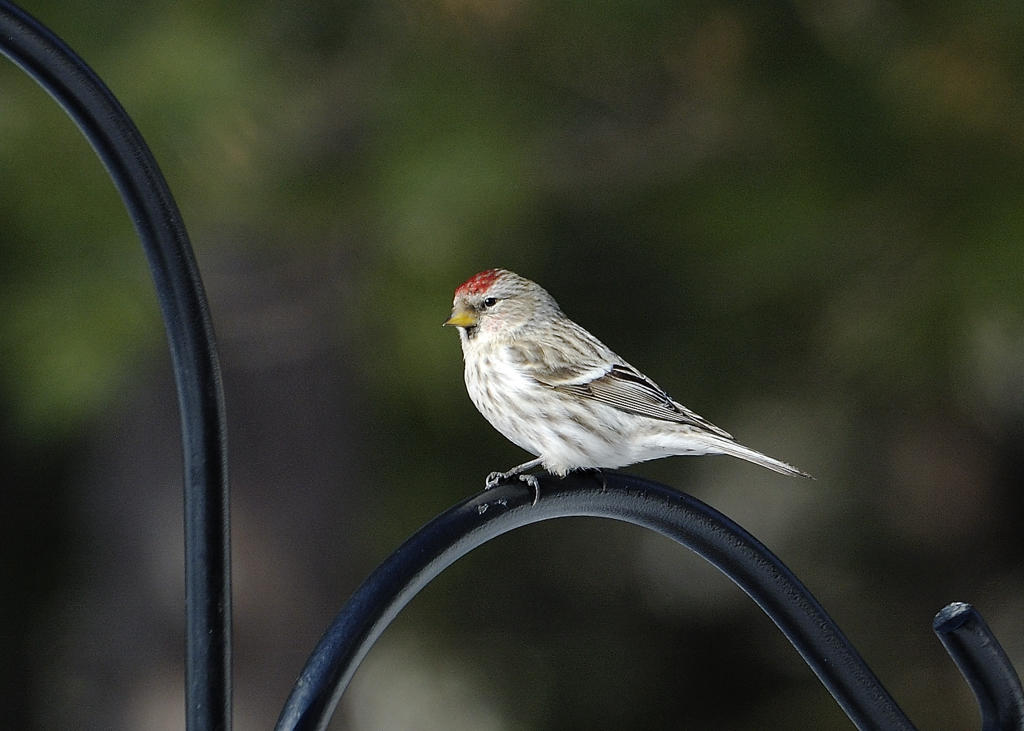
<point>190,334</point>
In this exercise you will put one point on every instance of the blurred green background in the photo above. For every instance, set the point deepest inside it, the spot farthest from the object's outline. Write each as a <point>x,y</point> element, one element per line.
<point>802,219</point>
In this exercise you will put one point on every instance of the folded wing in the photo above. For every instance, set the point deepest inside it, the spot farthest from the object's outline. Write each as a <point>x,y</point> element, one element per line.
<point>595,372</point>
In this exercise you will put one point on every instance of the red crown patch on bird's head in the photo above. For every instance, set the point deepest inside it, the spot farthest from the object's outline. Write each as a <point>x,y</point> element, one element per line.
<point>479,282</point>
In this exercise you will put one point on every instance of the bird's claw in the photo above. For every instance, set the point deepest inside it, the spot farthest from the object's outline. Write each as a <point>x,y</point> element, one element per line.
<point>496,478</point>
<point>534,484</point>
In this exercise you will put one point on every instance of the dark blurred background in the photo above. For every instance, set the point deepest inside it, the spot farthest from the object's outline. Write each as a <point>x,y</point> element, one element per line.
<point>802,219</point>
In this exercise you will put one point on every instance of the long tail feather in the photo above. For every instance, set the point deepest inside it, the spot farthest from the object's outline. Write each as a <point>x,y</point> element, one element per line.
<point>735,449</point>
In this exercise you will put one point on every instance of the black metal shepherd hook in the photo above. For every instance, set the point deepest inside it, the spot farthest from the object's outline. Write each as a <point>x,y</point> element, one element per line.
<point>686,520</point>
<point>456,532</point>
<point>130,163</point>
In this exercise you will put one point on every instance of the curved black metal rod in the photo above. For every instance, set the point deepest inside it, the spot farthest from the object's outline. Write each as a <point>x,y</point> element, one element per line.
<point>984,665</point>
<point>130,163</point>
<point>678,516</point>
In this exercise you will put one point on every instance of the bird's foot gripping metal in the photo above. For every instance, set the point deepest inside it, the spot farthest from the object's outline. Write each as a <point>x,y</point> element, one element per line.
<point>496,478</point>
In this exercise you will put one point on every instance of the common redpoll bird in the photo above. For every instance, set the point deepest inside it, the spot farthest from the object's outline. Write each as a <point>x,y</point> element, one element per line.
<point>561,394</point>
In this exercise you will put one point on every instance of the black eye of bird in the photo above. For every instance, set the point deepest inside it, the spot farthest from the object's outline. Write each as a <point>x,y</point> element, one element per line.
<point>490,302</point>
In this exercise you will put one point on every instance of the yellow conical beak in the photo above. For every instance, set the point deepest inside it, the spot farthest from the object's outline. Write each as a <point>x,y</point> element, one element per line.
<point>461,318</point>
